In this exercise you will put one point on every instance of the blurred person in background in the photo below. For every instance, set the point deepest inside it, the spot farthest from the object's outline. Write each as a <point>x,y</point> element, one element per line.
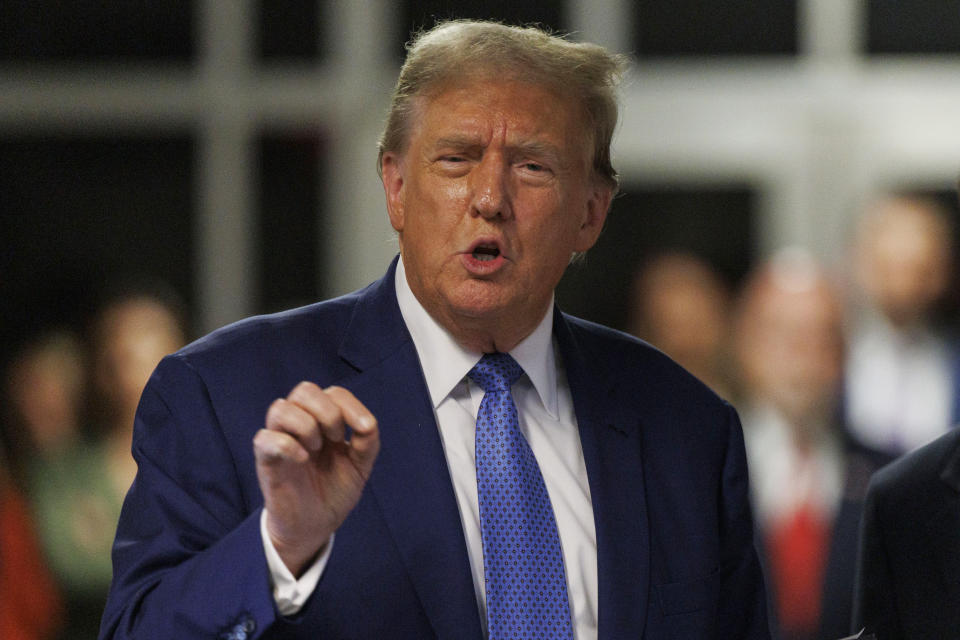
<point>808,479</point>
<point>681,305</point>
<point>902,372</point>
<point>78,469</point>
<point>908,569</point>
<point>45,393</point>
<point>137,325</point>
<point>44,386</point>
<point>907,585</point>
<point>30,607</point>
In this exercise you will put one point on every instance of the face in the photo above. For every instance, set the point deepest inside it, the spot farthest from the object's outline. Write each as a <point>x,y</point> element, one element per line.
<point>136,334</point>
<point>493,194</point>
<point>906,264</point>
<point>797,350</point>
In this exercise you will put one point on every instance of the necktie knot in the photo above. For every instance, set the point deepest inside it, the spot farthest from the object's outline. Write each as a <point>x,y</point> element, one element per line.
<point>496,372</point>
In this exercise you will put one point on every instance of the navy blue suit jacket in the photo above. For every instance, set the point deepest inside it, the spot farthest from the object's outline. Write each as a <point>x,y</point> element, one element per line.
<point>664,459</point>
<point>908,578</point>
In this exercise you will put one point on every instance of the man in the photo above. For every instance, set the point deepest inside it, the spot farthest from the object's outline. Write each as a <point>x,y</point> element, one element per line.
<point>808,476</point>
<point>903,377</point>
<point>496,169</point>
<point>908,578</point>
<point>680,304</point>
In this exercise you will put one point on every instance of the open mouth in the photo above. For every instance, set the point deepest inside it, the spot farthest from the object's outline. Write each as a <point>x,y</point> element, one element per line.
<point>485,252</point>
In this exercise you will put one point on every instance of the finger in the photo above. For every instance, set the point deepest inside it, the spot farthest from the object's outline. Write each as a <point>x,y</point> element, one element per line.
<point>285,416</point>
<point>323,407</point>
<point>353,411</point>
<point>275,448</point>
<point>365,439</point>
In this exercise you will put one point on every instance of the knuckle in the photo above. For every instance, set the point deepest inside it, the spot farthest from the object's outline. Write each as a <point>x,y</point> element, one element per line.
<point>302,391</point>
<point>276,410</point>
<point>338,393</point>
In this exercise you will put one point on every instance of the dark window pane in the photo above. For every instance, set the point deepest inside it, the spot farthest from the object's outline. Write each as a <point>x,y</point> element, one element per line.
<point>417,14</point>
<point>711,28</point>
<point>290,30</point>
<point>290,175</point>
<point>715,223</point>
<point>34,30</point>
<point>81,213</point>
<point>917,26</point>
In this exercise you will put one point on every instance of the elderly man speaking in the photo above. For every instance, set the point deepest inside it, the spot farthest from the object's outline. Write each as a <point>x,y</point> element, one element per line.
<point>445,454</point>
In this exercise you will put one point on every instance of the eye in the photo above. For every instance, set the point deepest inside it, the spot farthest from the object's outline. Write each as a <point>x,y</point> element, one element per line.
<point>452,164</point>
<point>534,171</point>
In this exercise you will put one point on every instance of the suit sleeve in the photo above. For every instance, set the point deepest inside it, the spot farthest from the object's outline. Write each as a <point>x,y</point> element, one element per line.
<point>188,557</point>
<point>743,608</point>
<point>874,606</point>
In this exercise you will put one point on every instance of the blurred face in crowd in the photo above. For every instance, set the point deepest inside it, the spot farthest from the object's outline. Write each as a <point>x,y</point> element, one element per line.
<point>791,345</point>
<point>681,307</point>
<point>491,197</point>
<point>132,337</point>
<point>904,259</point>
<point>45,388</point>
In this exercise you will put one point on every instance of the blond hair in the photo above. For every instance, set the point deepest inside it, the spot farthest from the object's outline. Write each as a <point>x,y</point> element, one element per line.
<point>463,50</point>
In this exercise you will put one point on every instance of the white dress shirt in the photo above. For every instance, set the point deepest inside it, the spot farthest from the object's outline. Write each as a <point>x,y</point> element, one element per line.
<point>784,479</point>
<point>547,421</point>
<point>900,386</point>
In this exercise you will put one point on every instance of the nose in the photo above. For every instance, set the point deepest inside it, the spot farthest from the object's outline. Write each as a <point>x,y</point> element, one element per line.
<point>489,184</point>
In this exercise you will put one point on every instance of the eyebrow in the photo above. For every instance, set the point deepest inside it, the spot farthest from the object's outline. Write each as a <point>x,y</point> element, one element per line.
<point>535,147</point>
<point>459,142</point>
<point>540,148</point>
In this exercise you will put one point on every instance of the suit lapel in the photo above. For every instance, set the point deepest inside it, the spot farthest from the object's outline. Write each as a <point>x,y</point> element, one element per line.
<point>410,480</point>
<point>612,453</point>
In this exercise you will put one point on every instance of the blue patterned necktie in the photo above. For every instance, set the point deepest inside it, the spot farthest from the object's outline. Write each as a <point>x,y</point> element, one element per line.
<point>522,562</point>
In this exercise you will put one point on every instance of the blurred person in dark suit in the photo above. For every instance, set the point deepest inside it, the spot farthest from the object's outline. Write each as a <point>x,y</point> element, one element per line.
<point>808,477</point>
<point>902,386</point>
<point>908,567</point>
<point>681,305</point>
<point>908,578</point>
<point>445,454</point>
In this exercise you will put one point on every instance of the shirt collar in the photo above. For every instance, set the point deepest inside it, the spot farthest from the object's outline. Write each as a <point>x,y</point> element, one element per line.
<point>445,363</point>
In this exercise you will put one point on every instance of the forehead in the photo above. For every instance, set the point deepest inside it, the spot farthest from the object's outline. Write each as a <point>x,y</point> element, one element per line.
<point>487,110</point>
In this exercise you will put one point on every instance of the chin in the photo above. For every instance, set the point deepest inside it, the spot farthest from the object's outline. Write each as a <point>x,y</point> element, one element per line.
<point>477,302</point>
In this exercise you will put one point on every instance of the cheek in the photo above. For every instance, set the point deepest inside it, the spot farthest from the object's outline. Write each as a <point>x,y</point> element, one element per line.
<point>436,205</point>
<point>556,229</point>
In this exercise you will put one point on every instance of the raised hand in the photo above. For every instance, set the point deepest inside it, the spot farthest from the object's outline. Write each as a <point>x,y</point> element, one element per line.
<point>310,475</point>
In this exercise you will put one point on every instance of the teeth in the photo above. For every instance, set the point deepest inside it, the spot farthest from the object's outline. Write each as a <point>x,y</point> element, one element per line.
<point>485,254</point>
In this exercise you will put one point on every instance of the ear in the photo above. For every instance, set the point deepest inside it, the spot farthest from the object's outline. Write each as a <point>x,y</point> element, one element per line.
<point>594,215</point>
<point>391,169</point>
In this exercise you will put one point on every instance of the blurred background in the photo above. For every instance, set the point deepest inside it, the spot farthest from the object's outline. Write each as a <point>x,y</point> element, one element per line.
<point>169,167</point>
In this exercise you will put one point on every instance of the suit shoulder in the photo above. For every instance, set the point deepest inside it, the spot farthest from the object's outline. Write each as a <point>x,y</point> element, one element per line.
<point>911,476</point>
<point>321,322</point>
